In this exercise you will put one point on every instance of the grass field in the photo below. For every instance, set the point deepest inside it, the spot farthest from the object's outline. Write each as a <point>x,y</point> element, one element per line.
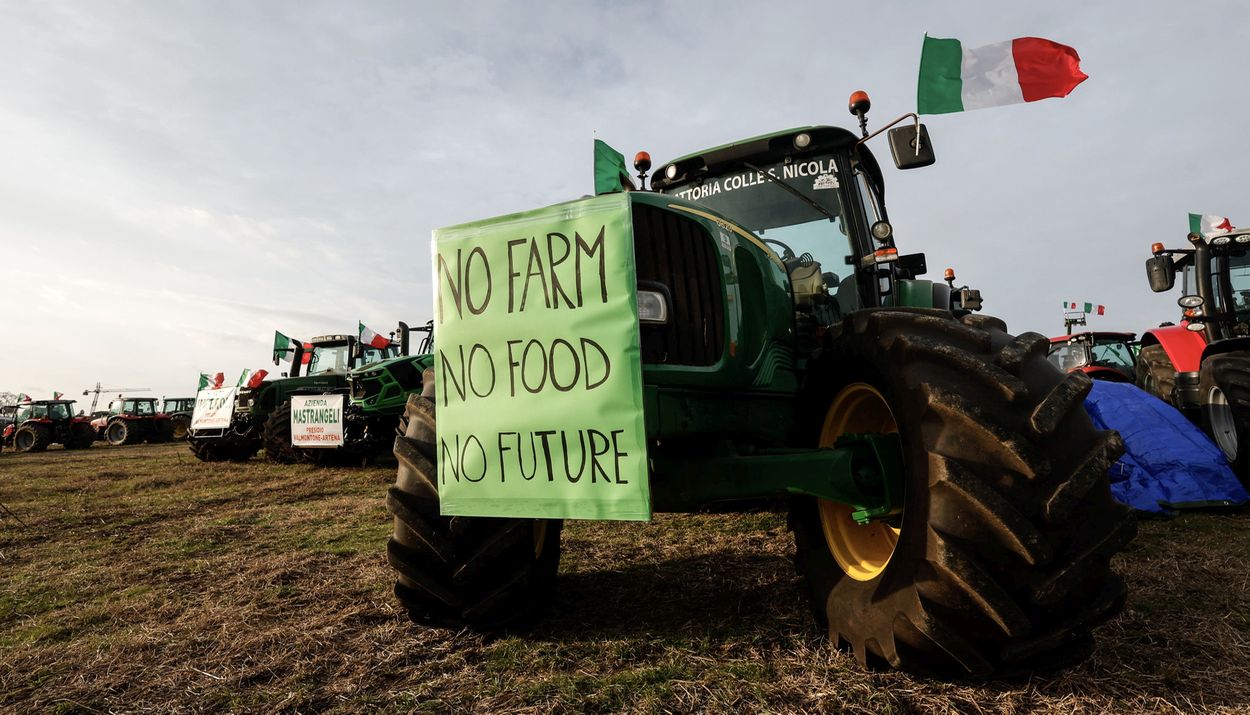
<point>144,580</point>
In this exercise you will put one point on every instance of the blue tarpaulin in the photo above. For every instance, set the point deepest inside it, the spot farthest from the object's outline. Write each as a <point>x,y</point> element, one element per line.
<point>1168,462</point>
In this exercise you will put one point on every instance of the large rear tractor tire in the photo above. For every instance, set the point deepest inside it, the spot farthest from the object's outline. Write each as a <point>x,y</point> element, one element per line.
<point>457,571</point>
<point>82,436</point>
<point>181,425</point>
<point>999,562</point>
<point>31,438</point>
<point>1224,384</point>
<point>1155,373</point>
<point>120,432</point>
<point>276,436</point>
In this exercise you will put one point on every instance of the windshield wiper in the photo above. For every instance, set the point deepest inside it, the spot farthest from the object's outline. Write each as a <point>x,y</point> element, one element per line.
<point>792,190</point>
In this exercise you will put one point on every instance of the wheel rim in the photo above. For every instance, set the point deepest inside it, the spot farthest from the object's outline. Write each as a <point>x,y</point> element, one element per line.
<point>1223,426</point>
<point>24,440</point>
<point>116,432</point>
<point>863,551</point>
<point>540,536</point>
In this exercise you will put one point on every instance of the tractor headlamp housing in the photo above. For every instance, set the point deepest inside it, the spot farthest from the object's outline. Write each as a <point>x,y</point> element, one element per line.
<point>652,307</point>
<point>1220,240</point>
<point>1190,301</point>
<point>882,231</point>
<point>802,140</point>
<point>1196,327</point>
<point>1243,238</point>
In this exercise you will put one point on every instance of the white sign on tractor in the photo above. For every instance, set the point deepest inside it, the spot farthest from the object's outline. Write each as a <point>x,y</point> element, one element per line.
<point>317,420</point>
<point>213,408</point>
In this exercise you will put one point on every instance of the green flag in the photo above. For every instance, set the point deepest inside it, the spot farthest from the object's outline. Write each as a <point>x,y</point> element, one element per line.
<point>281,347</point>
<point>611,172</point>
<point>1089,307</point>
<point>205,381</point>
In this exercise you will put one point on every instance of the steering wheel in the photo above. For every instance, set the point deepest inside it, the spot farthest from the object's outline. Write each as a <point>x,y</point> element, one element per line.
<point>787,253</point>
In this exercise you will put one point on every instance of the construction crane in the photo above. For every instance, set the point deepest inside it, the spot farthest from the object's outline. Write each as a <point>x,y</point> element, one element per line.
<point>97,390</point>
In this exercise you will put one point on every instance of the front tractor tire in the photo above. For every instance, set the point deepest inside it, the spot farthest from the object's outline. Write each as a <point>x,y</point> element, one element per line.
<point>31,438</point>
<point>181,426</point>
<point>276,436</point>
<point>120,432</point>
<point>459,571</point>
<point>1224,384</point>
<point>1155,373</point>
<point>999,562</point>
<point>222,449</point>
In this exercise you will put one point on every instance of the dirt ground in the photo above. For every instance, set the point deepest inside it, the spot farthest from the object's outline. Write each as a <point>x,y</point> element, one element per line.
<point>139,579</point>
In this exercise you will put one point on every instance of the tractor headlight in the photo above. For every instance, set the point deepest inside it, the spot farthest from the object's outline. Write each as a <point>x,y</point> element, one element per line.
<point>1190,301</point>
<point>1243,238</point>
<point>802,141</point>
<point>882,231</point>
<point>652,307</point>
<point>1220,241</point>
<point>1196,327</point>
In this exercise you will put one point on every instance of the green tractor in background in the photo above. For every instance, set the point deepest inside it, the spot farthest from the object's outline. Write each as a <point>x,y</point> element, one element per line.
<point>261,413</point>
<point>379,392</point>
<point>947,493</point>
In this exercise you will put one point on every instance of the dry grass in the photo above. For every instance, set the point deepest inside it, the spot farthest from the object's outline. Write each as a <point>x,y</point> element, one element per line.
<point>148,581</point>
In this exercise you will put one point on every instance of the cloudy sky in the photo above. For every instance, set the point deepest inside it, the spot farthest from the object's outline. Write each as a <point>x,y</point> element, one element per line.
<point>178,179</point>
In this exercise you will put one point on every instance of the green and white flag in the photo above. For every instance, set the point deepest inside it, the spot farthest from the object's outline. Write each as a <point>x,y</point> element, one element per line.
<point>205,381</point>
<point>954,78</point>
<point>1209,225</point>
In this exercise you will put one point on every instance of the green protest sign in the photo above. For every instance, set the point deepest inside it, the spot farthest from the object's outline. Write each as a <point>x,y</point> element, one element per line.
<point>537,366</point>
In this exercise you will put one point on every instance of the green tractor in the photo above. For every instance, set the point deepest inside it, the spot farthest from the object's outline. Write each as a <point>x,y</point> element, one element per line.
<point>377,387</point>
<point>380,390</point>
<point>947,493</point>
<point>179,410</point>
<point>244,419</point>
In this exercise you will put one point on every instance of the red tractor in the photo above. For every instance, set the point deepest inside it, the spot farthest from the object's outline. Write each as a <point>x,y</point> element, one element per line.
<point>134,419</point>
<point>44,422</point>
<point>1101,355</point>
<point>1202,366</point>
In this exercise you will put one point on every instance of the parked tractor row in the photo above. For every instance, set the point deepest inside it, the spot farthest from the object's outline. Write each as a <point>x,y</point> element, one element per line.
<point>369,383</point>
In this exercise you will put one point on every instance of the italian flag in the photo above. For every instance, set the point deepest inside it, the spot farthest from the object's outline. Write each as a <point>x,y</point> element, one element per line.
<point>57,395</point>
<point>954,78</point>
<point>372,339</point>
<point>284,349</point>
<point>1209,225</point>
<point>205,381</point>
<point>23,397</point>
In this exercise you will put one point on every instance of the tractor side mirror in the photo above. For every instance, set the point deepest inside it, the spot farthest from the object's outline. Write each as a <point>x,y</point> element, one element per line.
<point>912,265</point>
<point>1161,272</point>
<point>903,147</point>
<point>358,351</point>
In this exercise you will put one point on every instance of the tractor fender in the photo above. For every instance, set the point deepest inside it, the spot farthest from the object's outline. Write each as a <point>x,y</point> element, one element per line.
<point>1229,345</point>
<point>1183,347</point>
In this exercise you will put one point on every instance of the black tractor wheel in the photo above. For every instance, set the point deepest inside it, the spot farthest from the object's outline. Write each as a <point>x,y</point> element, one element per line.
<point>276,436</point>
<point>81,436</point>
<point>222,449</point>
<point>31,438</point>
<point>456,571</point>
<point>999,562</point>
<point>1155,372</point>
<point>181,426</point>
<point>119,432</point>
<point>1224,384</point>
<point>161,431</point>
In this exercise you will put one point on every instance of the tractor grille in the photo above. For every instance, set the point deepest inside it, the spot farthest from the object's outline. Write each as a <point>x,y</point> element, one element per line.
<point>677,253</point>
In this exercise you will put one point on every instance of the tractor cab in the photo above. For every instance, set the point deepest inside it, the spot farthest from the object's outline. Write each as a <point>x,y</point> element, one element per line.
<point>178,404</point>
<point>1101,355</point>
<point>1215,270</point>
<point>137,406</point>
<point>340,354</point>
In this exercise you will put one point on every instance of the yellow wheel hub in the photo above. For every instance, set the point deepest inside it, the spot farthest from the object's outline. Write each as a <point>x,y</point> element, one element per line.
<point>861,550</point>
